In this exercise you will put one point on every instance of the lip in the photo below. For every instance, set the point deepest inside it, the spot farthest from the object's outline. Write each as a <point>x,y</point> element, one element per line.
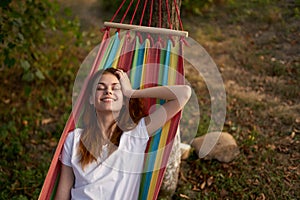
<point>108,99</point>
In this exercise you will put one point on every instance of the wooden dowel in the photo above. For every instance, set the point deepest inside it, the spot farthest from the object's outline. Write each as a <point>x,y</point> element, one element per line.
<point>146,29</point>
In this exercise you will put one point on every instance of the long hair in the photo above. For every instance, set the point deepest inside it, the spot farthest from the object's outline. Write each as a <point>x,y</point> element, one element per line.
<point>92,138</point>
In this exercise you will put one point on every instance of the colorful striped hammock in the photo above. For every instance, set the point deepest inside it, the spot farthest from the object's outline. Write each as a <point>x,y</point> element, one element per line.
<point>148,63</point>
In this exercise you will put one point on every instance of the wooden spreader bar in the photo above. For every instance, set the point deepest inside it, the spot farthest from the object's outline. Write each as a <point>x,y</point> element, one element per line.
<point>146,29</point>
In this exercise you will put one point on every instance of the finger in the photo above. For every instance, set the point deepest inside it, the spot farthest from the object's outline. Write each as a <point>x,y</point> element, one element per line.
<point>119,73</point>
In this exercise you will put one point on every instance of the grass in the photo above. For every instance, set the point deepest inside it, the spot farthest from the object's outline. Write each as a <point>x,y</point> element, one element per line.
<point>262,106</point>
<point>262,109</point>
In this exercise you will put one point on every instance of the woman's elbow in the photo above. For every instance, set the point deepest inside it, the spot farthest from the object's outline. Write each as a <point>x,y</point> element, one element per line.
<point>188,92</point>
<point>185,94</point>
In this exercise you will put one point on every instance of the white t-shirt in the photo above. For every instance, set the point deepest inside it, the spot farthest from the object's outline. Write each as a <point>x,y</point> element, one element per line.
<point>118,176</point>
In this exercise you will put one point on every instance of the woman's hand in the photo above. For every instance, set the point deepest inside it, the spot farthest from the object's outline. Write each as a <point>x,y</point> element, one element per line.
<point>125,83</point>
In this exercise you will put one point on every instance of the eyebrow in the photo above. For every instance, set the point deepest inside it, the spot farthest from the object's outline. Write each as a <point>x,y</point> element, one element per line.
<point>101,83</point>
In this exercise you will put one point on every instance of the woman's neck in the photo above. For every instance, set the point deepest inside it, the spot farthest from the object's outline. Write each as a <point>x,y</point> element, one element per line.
<point>106,121</point>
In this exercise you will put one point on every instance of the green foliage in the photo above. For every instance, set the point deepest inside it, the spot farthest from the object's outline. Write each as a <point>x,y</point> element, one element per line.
<point>19,20</point>
<point>265,11</point>
<point>25,30</point>
<point>198,7</point>
<point>40,52</point>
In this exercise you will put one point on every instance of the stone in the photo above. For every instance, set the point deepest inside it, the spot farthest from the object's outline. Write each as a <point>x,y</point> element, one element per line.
<point>216,145</point>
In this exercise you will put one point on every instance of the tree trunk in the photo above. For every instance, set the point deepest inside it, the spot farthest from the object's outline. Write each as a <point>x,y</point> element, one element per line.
<point>155,19</point>
<point>164,14</point>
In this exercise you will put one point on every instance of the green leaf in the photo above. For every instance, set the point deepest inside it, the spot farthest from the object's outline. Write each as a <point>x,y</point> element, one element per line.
<point>27,90</point>
<point>20,35</point>
<point>28,76</point>
<point>2,38</point>
<point>43,24</point>
<point>39,74</point>
<point>4,3</point>
<point>25,65</point>
<point>11,45</point>
<point>9,61</point>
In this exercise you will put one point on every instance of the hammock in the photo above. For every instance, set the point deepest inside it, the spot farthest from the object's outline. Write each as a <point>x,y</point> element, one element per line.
<point>150,61</point>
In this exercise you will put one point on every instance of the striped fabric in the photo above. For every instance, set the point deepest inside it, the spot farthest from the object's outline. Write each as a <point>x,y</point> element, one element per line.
<point>148,64</point>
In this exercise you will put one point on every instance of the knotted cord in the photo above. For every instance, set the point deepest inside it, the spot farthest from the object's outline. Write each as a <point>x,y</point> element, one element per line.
<point>136,7</point>
<point>178,15</point>
<point>116,13</point>
<point>151,10</point>
<point>151,4</point>
<point>169,15</point>
<point>125,14</point>
<point>143,13</point>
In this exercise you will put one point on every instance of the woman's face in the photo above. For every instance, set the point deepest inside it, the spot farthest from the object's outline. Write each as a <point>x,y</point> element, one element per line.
<point>108,96</point>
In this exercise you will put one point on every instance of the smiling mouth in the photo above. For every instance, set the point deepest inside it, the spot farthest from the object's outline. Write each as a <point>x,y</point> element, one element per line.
<point>108,99</point>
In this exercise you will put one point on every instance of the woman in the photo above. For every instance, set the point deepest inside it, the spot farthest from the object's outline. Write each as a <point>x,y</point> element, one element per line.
<point>104,159</point>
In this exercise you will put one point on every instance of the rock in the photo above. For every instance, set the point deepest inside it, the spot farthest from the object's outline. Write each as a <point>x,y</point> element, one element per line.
<point>216,145</point>
<point>185,150</point>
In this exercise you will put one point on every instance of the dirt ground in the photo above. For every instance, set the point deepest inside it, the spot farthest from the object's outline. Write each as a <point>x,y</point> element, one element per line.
<point>259,63</point>
<point>258,57</point>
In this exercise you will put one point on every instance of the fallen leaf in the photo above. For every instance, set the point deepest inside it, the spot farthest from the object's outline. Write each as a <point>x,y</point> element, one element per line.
<point>47,121</point>
<point>184,196</point>
<point>293,135</point>
<point>6,101</point>
<point>25,122</point>
<point>33,141</point>
<point>210,181</point>
<point>223,193</point>
<point>202,186</point>
<point>182,176</point>
<point>261,197</point>
<point>271,146</point>
<point>196,189</point>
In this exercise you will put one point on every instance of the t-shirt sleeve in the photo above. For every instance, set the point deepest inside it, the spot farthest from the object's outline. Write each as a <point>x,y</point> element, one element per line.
<point>140,131</point>
<point>66,153</point>
<point>137,137</point>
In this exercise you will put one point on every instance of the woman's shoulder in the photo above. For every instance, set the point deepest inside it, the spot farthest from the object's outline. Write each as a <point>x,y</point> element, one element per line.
<point>141,123</point>
<point>75,132</point>
<point>74,135</point>
<point>140,130</point>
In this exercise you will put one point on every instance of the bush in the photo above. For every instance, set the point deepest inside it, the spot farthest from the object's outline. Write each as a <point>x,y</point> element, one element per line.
<point>40,53</point>
<point>25,30</point>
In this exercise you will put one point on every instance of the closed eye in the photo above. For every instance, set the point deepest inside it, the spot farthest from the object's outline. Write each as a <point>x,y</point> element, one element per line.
<point>117,87</point>
<point>102,86</point>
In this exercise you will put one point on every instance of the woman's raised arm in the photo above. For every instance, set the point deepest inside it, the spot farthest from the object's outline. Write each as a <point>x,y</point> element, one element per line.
<point>176,96</point>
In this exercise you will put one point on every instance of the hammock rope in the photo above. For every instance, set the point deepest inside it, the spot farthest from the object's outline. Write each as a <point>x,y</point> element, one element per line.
<point>136,7</point>
<point>125,14</point>
<point>151,10</point>
<point>117,11</point>
<point>178,15</point>
<point>159,12</point>
<point>169,14</point>
<point>143,13</point>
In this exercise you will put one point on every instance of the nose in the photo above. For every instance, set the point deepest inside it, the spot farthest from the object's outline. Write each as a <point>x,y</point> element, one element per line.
<point>108,90</point>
